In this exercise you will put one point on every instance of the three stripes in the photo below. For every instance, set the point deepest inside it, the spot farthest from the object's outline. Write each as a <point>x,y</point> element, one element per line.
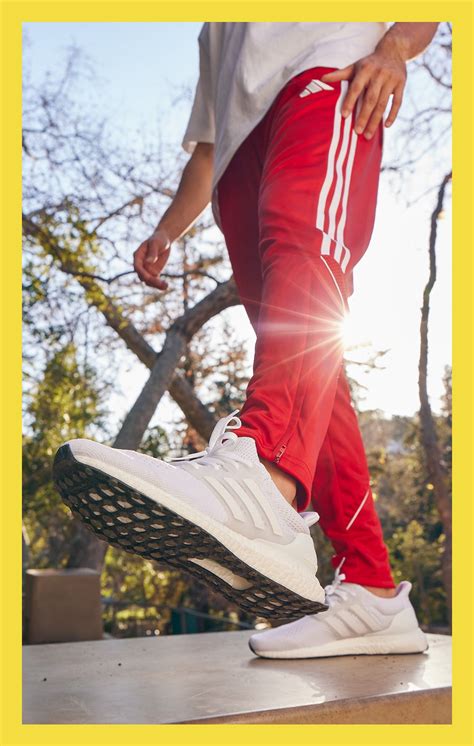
<point>356,620</point>
<point>337,178</point>
<point>240,502</point>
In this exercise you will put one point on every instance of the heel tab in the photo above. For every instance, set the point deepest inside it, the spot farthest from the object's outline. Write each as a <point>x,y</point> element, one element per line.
<point>404,588</point>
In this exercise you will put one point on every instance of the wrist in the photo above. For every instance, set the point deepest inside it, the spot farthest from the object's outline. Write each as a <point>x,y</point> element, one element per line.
<point>395,44</point>
<point>164,231</point>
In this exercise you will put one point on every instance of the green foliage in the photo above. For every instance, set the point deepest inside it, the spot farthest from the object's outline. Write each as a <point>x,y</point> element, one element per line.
<point>416,556</point>
<point>410,520</point>
<point>143,585</point>
<point>65,403</point>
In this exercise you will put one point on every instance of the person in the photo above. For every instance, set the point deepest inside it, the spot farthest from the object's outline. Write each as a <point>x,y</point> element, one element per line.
<point>285,136</point>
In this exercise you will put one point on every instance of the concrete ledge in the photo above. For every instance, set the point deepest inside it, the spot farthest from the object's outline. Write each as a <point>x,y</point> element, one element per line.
<point>213,678</point>
<point>423,707</point>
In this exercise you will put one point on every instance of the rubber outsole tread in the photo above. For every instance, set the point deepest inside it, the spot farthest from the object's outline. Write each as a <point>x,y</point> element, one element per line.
<point>133,522</point>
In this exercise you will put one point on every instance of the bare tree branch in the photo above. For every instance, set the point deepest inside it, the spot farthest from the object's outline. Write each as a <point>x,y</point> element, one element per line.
<point>174,348</point>
<point>429,435</point>
<point>179,334</point>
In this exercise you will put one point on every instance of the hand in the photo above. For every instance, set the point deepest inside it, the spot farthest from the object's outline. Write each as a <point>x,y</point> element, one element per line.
<point>378,76</point>
<point>150,258</point>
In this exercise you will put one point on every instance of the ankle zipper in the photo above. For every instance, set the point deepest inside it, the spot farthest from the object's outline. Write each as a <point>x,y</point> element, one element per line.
<point>280,454</point>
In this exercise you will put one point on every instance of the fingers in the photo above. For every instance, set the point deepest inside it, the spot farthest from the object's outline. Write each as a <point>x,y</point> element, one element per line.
<point>373,108</point>
<point>377,112</point>
<point>370,103</point>
<point>375,78</point>
<point>357,86</point>
<point>152,251</point>
<point>146,277</point>
<point>150,258</point>
<point>344,74</point>
<point>157,254</point>
<point>149,272</point>
<point>395,107</point>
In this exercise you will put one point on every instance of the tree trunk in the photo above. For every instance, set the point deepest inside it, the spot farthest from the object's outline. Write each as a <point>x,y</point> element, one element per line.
<point>429,436</point>
<point>86,549</point>
<point>139,416</point>
<point>163,370</point>
<point>25,562</point>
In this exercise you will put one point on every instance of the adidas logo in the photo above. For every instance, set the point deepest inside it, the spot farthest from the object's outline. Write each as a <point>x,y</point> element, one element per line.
<point>245,502</point>
<point>356,620</point>
<point>314,87</point>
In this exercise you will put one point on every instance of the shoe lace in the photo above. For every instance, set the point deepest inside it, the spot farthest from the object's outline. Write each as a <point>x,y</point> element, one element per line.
<point>220,448</point>
<point>335,592</point>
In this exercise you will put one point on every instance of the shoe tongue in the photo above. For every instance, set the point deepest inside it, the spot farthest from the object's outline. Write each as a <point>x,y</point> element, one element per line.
<point>246,449</point>
<point>355,587</point>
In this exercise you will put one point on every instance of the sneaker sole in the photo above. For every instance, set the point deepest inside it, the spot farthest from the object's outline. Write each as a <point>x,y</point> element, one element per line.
<point>130,520</point>
<point>403,644</point>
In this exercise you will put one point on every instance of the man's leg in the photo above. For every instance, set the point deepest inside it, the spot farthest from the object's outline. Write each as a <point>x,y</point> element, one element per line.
<point>340,491</point>
<point>317,205</point>
<point>237,197</point>
<point>297,309</point>
<point>342,496</point>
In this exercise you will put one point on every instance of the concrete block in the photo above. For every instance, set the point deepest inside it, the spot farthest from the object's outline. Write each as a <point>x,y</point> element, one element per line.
<point>214,678</point>
<point>63,605</point>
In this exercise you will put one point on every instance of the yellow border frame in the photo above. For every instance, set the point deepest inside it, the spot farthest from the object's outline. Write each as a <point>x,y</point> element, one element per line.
<point>14,13</point>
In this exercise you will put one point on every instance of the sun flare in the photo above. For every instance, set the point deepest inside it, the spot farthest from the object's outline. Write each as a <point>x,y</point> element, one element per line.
<point>350,331</point>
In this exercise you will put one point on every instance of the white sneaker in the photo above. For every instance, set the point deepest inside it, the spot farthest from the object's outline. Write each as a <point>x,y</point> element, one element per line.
<point>356,623</point>
<point>215,514</point>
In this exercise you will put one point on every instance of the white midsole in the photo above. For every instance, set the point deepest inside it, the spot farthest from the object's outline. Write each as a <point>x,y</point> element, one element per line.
<point>406,642</point>
<point>235,581</point>
<point>269,559</point>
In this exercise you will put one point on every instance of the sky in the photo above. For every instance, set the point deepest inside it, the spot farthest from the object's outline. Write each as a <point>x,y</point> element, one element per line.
<point>141,68</point>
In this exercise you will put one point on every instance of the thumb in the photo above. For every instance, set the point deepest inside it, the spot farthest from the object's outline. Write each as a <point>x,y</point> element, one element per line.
<point>152,251</point>
<point>156,245</point>
<point>344,74</point>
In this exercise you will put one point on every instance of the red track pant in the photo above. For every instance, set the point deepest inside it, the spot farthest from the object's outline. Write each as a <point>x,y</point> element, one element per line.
<point>296,205</point>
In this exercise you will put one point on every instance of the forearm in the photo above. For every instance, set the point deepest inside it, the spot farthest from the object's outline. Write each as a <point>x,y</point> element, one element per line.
<point>193,193</point>
<point>408,39</point>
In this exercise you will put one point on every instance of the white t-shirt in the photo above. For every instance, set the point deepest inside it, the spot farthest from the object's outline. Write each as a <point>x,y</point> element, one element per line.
<point>243,66</point>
